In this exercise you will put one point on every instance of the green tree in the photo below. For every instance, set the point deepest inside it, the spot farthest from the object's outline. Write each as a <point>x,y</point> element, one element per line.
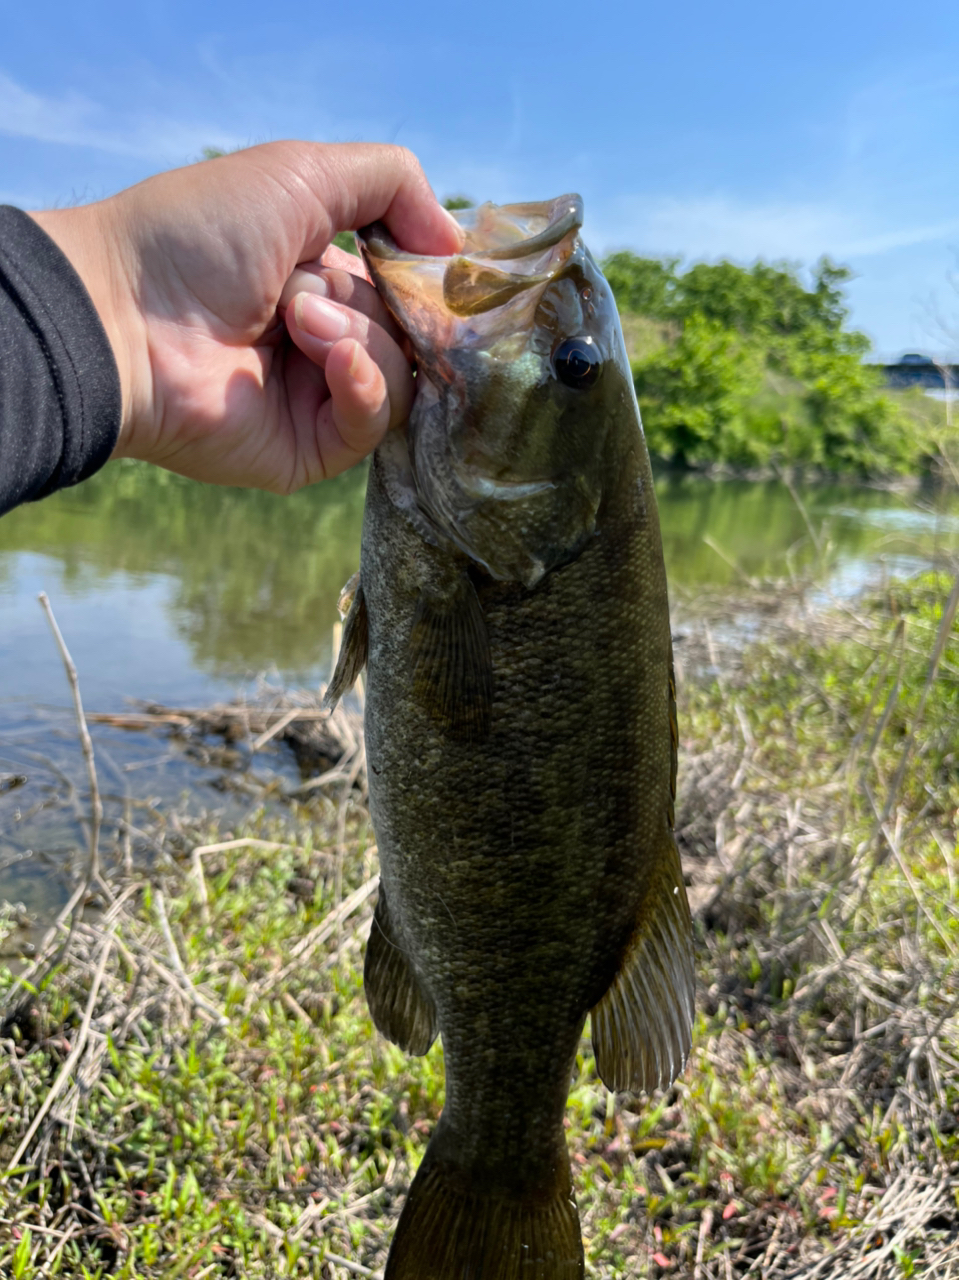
<point>643,286</point>
<point>692,393</point>
<point>753,365</point>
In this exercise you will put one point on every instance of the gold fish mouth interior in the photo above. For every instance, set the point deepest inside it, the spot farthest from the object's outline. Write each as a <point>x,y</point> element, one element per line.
<point>533,241</point>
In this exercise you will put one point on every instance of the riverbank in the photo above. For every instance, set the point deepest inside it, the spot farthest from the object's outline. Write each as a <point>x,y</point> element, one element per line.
<point>195,1088</point>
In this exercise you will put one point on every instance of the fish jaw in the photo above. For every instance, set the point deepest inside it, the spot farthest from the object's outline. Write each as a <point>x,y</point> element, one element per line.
<point>506,460</point>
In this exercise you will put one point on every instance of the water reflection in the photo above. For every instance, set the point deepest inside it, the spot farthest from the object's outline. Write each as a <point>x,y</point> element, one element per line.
<point>715,532</point>
<point>250,579</point>
<point>229,582</point>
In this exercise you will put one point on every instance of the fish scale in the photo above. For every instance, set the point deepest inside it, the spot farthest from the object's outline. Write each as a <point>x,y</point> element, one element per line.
<point>520,732</point>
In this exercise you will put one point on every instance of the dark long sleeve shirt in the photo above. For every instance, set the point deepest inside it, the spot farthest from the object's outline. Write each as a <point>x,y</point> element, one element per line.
<point>60,400</point>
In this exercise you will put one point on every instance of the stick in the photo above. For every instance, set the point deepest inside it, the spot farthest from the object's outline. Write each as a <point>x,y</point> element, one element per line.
<point>356,1267</point>
<point>244,843</point>
<point>784,478</point>
<point>180,717</point>
<point>197,863</point>
<point>280,725</point>
<point>705,1226</point>
<point>65,1071</point>
<point>96,807</point>
<point>190,990</point>
<point>65,912</point>
<point>316,936</point>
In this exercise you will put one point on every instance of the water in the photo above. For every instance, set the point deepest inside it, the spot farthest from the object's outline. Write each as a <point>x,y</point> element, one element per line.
<point>174,592</point>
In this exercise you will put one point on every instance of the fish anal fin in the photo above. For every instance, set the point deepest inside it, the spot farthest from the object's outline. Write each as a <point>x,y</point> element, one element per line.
<point>355,643</point>
<point>642,1027</point>
<point>451,1228</point>
<point>398,1005</point>
<point>451,663</point>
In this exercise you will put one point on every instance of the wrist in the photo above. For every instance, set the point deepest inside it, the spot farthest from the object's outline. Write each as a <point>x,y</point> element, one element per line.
<point>90,238</point>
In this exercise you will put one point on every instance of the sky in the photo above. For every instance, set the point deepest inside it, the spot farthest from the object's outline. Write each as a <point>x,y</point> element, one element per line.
<point>693,129</point>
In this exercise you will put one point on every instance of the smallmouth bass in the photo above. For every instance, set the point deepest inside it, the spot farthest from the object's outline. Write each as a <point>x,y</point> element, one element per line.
<point>512,614</point>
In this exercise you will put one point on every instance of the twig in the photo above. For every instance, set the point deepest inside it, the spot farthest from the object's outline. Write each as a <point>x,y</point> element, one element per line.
<point>65,912</point>
<point>319,935</point>
<point>273,730</point>
<point>705,1226</point>
<point>356,1267</point>
<point>270,846</point>
<point>67,1068</point>
<point>714,546</point>
<point>297,1010</point>
<point>96,806</point>
<point>800,506</point>
<point>200,1001</point>
<point>196,862</point>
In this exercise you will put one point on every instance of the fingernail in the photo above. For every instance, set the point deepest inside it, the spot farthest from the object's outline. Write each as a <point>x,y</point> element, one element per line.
<point>460,233</point>
<point>319,318</point>
<point>358,369</point>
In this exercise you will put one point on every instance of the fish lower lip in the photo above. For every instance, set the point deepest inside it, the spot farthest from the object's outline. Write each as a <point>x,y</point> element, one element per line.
<point>505,491</point>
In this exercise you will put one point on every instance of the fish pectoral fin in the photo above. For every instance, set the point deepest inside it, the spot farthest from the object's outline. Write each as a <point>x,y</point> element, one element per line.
<point>642,1027</point>
<point>355,643</point>
<point>399,1006</point>
<point>451,662</point>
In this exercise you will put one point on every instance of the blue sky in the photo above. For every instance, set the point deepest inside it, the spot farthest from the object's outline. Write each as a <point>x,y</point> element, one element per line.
<point>743,129</point>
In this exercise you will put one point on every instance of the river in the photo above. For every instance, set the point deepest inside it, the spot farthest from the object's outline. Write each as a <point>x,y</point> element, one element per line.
<point>170,591</point>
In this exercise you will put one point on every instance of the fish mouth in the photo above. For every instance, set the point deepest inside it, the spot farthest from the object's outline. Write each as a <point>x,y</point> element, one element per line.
<point>510,254</point>
<point>465,469</point>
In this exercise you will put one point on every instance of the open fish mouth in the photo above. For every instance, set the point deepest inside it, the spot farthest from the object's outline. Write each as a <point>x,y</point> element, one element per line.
<point>484,462</point>
<point>511,252</point>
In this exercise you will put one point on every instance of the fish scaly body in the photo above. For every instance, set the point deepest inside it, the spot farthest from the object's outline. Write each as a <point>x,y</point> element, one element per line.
<point>520,733</point>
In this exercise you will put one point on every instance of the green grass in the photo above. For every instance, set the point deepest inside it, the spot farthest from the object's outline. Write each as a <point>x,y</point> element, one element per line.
<point>814,1131</point>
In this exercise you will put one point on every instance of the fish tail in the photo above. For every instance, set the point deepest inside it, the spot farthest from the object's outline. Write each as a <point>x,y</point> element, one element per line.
<point>454,1228</point>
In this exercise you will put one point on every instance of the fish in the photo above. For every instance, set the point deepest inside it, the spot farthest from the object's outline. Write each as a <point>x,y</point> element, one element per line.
<point>511,615</point>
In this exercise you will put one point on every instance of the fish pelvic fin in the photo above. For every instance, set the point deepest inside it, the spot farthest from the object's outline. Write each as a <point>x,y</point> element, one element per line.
<point>451,662</point>
<point>642,1027</point>
<point>355,644</point>
<point>398,1005</point>
<point>452,1230</point>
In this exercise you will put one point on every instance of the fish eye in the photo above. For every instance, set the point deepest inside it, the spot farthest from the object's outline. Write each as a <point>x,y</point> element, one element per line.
<point>577,362</point>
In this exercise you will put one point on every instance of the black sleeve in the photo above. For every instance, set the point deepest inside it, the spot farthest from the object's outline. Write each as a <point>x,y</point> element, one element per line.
<point>60,400</point>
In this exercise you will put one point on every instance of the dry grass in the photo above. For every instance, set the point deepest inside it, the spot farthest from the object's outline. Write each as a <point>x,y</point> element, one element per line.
<point>191,1085</point>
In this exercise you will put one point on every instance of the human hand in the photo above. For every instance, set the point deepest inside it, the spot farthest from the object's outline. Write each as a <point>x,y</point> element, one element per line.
<point>250,351</point>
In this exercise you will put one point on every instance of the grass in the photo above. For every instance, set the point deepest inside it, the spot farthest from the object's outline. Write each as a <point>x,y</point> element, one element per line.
<point>229,1110</point>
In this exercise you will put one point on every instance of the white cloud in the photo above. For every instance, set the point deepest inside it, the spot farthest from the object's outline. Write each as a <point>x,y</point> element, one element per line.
<point>718,226</point>
<point>74,120</point>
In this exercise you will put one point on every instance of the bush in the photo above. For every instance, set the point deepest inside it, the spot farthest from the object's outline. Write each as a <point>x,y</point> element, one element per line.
<point>750,366</point>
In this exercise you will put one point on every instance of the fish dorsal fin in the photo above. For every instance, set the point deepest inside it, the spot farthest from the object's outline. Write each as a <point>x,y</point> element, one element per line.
<point>354,645</point>
<point>398,1005</point>
<point>642,1027</point>
<point>451,662</point>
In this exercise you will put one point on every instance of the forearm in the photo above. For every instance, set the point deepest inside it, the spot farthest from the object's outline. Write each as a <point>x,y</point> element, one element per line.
<point>60,394</point>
